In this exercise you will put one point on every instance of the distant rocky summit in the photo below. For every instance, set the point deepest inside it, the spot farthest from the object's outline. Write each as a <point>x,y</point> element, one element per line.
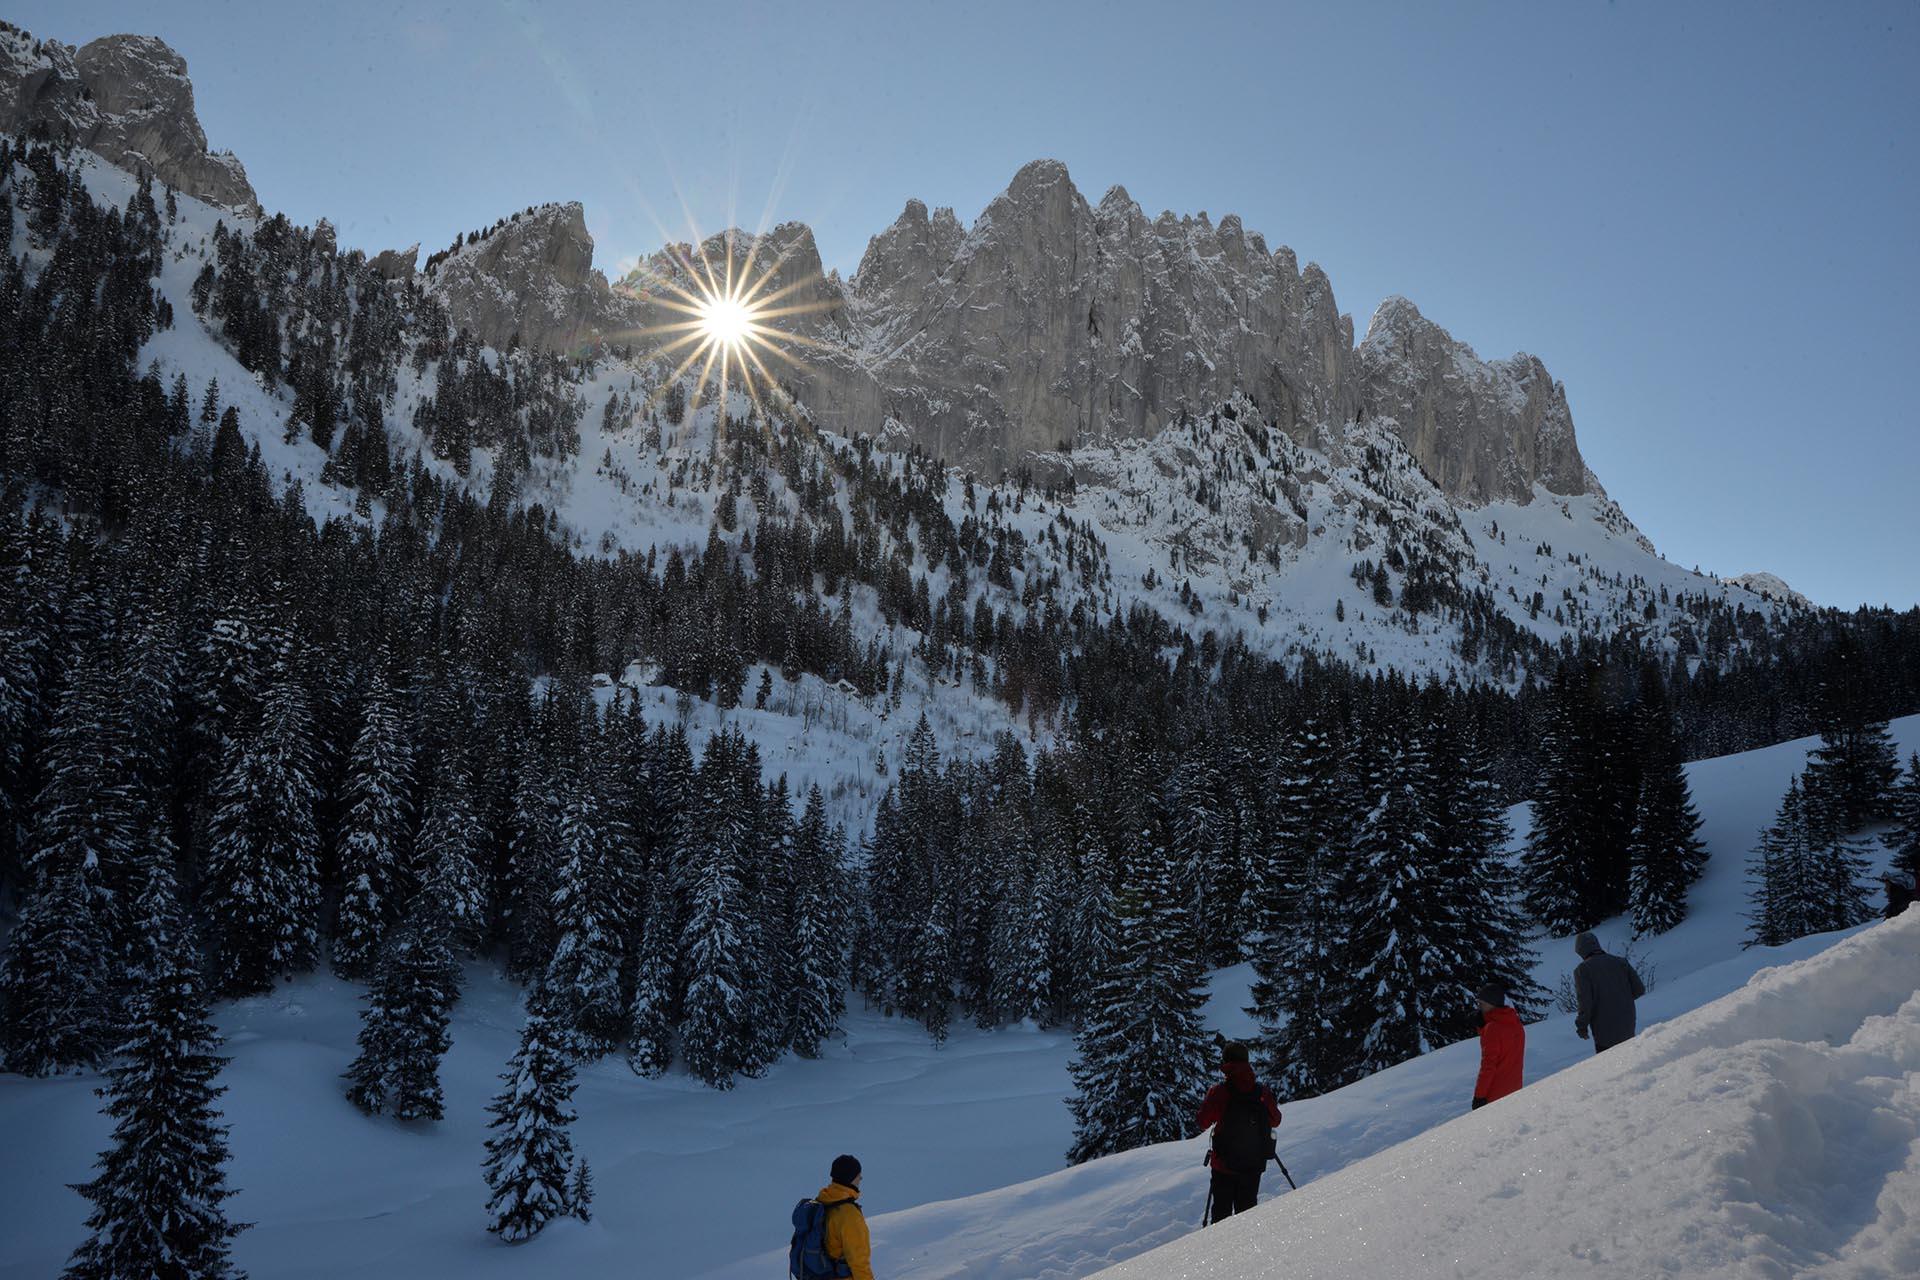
<point>1047,325</point>
<point>1769,587</point>
<point>125,97</point>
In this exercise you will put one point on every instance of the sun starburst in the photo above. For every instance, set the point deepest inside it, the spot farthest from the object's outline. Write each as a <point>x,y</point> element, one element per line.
<point>728,317</point>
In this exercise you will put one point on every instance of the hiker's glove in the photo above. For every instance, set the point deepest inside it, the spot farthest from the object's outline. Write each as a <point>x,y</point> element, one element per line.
<point>1581,1032</point>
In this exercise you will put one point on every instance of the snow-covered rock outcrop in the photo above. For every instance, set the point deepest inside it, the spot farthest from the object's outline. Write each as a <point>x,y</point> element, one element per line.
<point>530,278</point>
<point>1486,430</point>
<point>1770,587</point>
<point>125,97</point>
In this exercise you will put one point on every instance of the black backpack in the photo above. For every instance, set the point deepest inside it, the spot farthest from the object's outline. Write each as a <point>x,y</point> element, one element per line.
<point>1243,1140</point>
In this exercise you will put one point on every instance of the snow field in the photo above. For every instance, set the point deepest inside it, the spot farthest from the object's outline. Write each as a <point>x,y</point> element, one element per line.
<point>1773,1132</point>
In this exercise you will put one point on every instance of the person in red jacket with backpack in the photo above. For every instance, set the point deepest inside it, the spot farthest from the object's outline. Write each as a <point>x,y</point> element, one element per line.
<point>1503,1046</point>
<point>1243,1115</point>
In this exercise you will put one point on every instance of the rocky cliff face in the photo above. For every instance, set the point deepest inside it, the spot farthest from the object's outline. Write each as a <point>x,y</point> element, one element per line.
<point>1051,322</point>
<point>530,278</point>
<point>1485,430</point>
<point>126,98</point>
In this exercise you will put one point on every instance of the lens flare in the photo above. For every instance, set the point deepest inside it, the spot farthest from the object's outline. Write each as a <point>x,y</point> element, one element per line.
<point>728,317</point>
<point>727,321</point>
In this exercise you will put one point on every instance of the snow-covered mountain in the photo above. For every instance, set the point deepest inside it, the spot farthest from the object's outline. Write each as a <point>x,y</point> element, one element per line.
<point>1198,433</point>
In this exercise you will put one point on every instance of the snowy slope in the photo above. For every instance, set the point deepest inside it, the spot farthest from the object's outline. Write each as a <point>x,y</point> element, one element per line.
<point>1075,1221</point>
<point>963,1144</point>
<point>1772,1132</point>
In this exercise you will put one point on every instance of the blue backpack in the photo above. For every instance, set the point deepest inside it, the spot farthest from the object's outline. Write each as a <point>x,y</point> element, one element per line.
<point>807,1258</point>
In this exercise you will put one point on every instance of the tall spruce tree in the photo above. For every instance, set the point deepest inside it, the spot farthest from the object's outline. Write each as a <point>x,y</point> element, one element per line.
<point>650,1020</point>
<point>1398,988</point>
<point>373,833</point>
<point>716,1034</point>
<point>1301,916</point>
<point>157,1199</point>
<point>1667,854</point>
<point>1807,875</point>
<point>532,862</point>
<point>1141,1053</point>
<point>1470,832</point>
<point>85,823</point>
<point>1575,864</point>
<point>583,977</point>
<point>1905,841</point>
<point>446,854</point>
<point>403,1029</point>
<point>530,1155</point>
<point>56,983</point>
<point>261,889</point>
<point>816,943</point>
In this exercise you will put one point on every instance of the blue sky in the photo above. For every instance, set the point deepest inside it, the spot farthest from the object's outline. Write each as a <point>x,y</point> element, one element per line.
<point>1702,217</point>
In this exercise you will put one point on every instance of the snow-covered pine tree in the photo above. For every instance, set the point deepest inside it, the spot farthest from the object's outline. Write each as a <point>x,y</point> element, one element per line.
<point>924,940</point>
<point>765,871</point>
<point>580,1191</point>
<point>445,855</point>
<point>261,890</point>
<point>583,976</point>
<point>85,814</point>
<point>1213,887</point>
<point>1853,769</point>
<point>1806,874</point>
<point>1667,855</point>
<point>403,1029</point>
<point>1023,941</point>
<point>889,882</point>
<point>716,1033</point>
<point>1301,917</point>
<point>532,860</point>
<point>157,1197</point>
<point>1396,986</point>
<point>530,1157</point>
<point>56,988</point>
<point>1581,810</point>
<point>373,832</point>
<point>1094,924</point>
<point>1469,834</point>
<point>650,1012</point>
<point>1905,839</point>
<point>816,944</point>
<point>1142,1056</point>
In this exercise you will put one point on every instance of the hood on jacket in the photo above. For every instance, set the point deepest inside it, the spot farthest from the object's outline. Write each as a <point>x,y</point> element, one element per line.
<point>1586,945</point>
<point>1504,1013</point>
<point>835,1192</point>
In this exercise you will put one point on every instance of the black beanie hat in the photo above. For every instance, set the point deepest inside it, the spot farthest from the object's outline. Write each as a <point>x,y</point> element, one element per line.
<point>845,1170</point>
<point>1233,1051</point>
<point>1493,993</point>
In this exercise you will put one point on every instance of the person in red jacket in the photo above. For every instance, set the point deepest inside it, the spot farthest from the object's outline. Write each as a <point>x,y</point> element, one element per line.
<point>1503,1046</point>
<point>1243,1115</point>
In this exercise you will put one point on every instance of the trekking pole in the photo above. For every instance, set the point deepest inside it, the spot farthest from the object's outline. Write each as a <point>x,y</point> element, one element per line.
<point>1206,1211</point>
<point>1283,1171</point>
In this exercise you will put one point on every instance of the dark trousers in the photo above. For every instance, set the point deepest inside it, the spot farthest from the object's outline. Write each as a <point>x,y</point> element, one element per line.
<point>1601,1046</point>
<point>1233,1193</point>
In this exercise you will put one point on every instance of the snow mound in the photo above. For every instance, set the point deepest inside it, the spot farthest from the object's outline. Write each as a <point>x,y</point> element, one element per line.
<point>1773,1132</point>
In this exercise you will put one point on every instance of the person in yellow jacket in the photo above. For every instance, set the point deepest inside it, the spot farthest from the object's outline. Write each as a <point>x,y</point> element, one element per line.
<point>847,1240</point>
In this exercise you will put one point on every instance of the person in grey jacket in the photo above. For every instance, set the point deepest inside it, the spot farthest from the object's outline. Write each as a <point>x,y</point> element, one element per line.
<point>1606,986</point>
